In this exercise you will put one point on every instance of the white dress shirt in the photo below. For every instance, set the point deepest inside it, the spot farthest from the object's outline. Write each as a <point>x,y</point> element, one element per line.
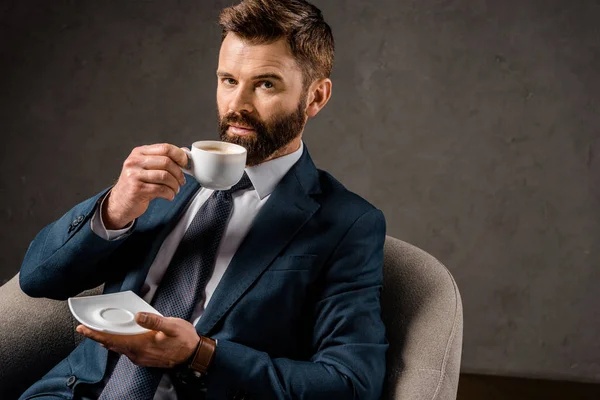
<point>246,205</point>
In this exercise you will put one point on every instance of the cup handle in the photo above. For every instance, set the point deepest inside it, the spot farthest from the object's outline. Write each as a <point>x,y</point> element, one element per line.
<point>189,169</point>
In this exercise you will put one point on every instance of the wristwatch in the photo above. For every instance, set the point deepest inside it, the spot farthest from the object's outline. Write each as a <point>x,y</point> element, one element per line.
<point>203,356</point>
<point>194,368</point>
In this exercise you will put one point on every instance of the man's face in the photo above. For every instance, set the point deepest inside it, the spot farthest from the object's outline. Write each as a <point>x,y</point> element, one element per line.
<point>260,97</point>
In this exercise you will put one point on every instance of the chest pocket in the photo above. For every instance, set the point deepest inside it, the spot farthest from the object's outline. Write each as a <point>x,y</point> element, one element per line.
<point>293,263</point>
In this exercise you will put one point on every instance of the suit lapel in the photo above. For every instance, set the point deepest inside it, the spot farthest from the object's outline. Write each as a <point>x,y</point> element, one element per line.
<point>287,210</point>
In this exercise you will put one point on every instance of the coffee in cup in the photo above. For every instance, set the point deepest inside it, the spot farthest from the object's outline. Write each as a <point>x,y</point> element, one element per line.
<point>216,165</point>
<point>217,150</point>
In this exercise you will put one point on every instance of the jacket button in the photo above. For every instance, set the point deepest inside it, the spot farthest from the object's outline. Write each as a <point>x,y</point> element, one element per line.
<point>71,381</point>
<point>76,222</point>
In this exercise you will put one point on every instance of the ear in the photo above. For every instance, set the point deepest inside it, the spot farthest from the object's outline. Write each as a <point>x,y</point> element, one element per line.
<point>318,95</point>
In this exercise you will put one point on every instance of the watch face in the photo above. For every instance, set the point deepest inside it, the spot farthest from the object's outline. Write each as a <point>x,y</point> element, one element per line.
<point>188,383</point>
<point>197,374</point>
<point>184,375</point>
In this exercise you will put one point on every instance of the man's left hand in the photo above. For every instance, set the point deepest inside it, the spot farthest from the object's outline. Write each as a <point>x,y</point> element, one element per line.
<point>170,342</point>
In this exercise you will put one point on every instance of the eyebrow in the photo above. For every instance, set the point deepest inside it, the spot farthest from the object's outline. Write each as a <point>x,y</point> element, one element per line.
<point>221,74</point>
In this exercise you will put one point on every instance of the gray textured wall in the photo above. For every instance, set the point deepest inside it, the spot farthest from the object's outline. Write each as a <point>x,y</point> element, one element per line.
<point>473,124</point>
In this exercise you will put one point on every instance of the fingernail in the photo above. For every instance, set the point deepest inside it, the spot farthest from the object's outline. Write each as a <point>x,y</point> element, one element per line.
<point>184,180</point>
<point>143,317</point>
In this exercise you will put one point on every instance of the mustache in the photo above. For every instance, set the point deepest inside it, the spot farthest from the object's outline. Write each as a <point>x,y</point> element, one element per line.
<point>242,119</point>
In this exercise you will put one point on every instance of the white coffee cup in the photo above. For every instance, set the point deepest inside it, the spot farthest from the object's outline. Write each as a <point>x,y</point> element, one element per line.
<point>216,165</point>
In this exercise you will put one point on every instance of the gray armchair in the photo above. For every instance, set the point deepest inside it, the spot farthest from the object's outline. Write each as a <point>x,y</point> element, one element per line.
<point>422,312</point>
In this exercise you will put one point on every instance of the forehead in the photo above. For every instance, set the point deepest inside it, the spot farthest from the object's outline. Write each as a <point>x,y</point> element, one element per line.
<point>239,57</point>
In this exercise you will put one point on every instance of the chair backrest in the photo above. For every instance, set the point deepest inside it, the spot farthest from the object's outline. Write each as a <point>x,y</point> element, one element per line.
<point>421,309</point>
<point>422,312</point>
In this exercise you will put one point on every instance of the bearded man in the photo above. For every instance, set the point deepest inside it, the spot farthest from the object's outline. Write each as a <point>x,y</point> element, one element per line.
<point>286,267</point>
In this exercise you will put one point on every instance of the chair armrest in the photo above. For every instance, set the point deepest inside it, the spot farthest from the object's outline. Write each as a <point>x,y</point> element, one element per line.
<point>35,334</point>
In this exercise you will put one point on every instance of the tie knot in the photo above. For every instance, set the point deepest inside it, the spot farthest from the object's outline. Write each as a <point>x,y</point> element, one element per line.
<point>244,183</point>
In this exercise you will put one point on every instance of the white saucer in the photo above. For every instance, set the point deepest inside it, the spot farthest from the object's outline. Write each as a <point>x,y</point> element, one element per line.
<point>111,313</point>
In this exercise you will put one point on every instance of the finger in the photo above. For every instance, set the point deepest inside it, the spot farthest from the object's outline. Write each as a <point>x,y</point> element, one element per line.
<point>157,323</point>
<point>165,149</point>
<point>154,191</point>
<point>94,335</point>
<point>166,164</point>
<point>189,160</point>
<point>159,177</point>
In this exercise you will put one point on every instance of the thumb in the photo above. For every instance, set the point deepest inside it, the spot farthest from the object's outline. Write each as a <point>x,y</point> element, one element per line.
<point>155,322</point>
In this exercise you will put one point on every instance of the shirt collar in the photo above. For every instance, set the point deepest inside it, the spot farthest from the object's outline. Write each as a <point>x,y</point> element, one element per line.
<point>266,176</point>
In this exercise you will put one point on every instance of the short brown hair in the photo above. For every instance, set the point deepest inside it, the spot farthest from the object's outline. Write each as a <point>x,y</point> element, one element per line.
<point>298,21</point>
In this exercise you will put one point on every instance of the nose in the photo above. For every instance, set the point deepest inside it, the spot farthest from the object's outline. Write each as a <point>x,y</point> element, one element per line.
<point>241,100</point>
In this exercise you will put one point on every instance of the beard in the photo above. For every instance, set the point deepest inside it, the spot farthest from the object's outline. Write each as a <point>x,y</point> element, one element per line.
<point>269,136</point>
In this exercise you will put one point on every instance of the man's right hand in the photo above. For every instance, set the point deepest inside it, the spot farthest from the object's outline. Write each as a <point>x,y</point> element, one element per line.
<point>148,173</point>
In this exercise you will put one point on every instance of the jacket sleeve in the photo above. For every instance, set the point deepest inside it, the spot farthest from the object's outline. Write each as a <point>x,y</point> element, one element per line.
<point>65,257</point>
<point>348,337</point>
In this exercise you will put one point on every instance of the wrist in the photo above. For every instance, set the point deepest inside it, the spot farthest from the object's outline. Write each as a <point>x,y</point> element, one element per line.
<point>110,217</point>
<point>191,353</point>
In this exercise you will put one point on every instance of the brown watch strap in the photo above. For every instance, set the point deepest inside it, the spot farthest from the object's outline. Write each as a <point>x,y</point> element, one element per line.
<point>204,355</point>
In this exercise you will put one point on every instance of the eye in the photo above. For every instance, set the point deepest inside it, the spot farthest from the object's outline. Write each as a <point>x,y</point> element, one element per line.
<point>267,85</point>
<point>229,81</point>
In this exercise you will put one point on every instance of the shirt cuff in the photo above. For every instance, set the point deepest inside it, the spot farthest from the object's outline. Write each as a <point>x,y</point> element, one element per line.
<point>99,228</point>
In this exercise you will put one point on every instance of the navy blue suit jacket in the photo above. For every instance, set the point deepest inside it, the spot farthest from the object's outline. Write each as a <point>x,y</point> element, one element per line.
<point>296,315</point>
